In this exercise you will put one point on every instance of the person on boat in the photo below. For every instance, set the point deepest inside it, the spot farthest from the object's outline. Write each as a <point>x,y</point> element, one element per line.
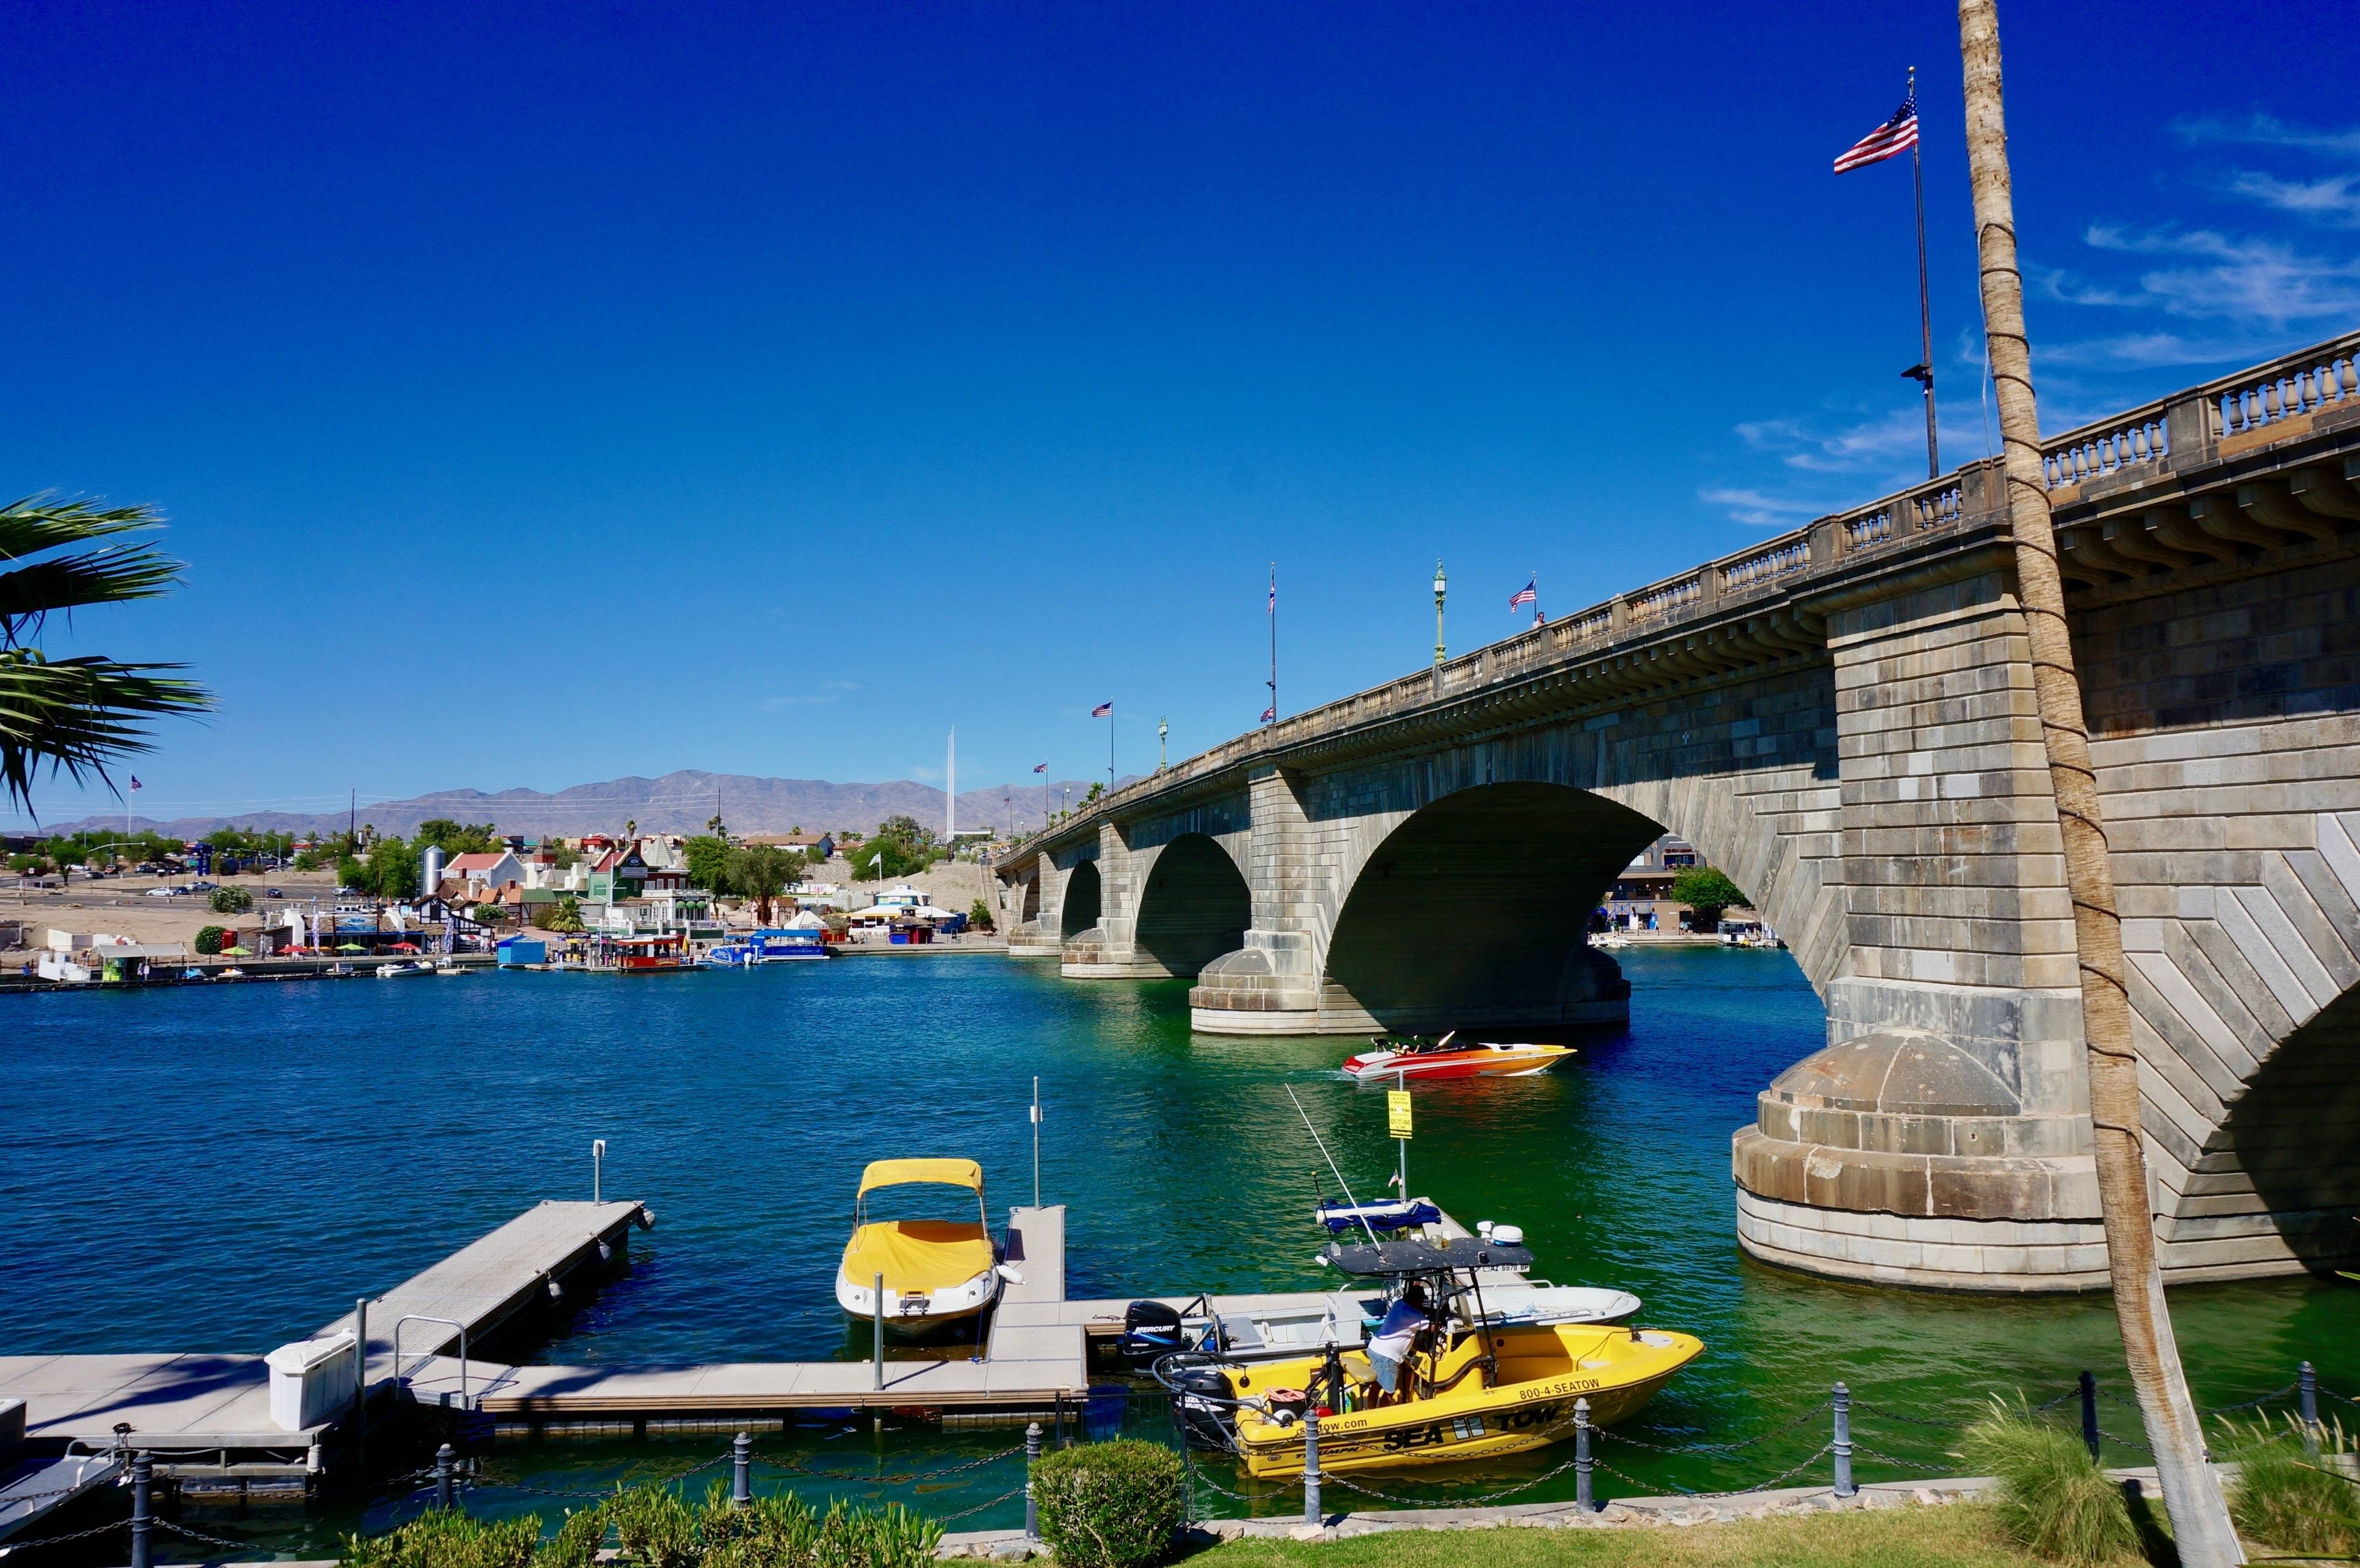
<point>1394,1338</point>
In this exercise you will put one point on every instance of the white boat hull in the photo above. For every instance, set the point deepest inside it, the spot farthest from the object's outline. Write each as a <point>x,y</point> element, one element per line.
<point>909,1313</point>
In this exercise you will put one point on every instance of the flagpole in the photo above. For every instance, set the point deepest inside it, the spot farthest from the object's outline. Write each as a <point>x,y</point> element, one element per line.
<point>1273,642</point>
<point>1925,305</point>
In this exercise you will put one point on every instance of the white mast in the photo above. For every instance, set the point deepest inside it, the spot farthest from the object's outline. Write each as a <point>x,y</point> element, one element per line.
<point>950,793</point>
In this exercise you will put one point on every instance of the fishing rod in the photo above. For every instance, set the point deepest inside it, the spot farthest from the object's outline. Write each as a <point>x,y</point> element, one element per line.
<point>1331,1166</point>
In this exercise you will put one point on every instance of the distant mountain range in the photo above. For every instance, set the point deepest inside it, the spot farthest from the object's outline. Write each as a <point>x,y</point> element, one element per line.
<point>677,803</point>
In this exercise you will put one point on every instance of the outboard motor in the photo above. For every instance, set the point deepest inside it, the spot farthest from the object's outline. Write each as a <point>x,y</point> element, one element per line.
<point>1200,1398</point>
<point>1149,1329</point>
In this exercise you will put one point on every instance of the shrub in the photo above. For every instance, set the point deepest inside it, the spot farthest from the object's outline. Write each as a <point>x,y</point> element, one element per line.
<point>2286,1497</point>
<point>230,900</point>
<point>2053,1498</point>
<point>657,1528</point>
<point>979,917</point>
<point>211,939</point>
<point>1109,1505</point>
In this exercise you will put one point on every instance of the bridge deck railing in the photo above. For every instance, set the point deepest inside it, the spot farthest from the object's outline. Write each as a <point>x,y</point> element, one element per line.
<point>2250,406</point>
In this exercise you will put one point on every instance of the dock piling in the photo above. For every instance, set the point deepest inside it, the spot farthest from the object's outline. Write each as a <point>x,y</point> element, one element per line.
<point>741,1485</point>
<point>143,1518</point>
<point>597,1167</point>
<point>877,1350</point>
<point>445,1495</point>
<point>360,1382</point>
<point>1582,1463</point>
<point>2307,1379</point>
<point>1032,1459</point>
<point>1842,1446</point>
<point>2090,1438</point>
<point>1312,1513</point>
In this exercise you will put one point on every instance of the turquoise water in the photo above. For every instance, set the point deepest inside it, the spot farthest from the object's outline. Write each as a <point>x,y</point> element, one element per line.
<point>227,1168</point>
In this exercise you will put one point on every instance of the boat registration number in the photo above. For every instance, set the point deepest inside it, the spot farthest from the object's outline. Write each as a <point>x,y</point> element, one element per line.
<point>1559,1389</point>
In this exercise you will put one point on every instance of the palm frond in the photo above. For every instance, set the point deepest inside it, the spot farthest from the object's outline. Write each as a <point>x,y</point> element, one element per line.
<point>37,523</point>
<point>108,576</point>
<point>79,714</point>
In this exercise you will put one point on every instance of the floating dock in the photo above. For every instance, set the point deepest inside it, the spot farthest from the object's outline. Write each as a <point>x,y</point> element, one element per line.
<point>207,1414</point>
<point>1034,1359</point>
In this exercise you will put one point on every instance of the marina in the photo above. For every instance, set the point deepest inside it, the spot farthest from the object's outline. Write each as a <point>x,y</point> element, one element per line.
<point>740,1110</point>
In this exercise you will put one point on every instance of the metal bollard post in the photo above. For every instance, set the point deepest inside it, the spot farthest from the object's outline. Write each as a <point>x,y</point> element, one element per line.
<point>877,1301</point>
<point>2089,1415</point>
<point>2308,1380</point>
<point>741,1485</point>
<point>443,1491</point>
<point>143,1520</point>
<point>1842,1444</point>
<point>1311,1510</point>
<point>1582,1460</point>
<point>1032,1459</point>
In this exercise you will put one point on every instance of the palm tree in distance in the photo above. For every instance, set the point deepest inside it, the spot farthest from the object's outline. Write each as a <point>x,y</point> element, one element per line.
<point>78,715</point>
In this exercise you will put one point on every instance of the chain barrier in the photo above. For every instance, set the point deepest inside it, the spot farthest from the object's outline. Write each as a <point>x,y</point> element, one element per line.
<point>1789,1425</point>
<point>945,1518</point>
<point>78,1535</point>
<point>1859,1404</point>
<point>2217,1409</point>
<point>2125,1441</point>
<point>202,1536</point>
<point>1904,1464</point>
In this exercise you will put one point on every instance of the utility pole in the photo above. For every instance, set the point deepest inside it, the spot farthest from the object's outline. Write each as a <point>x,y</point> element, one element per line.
<point>2191,1492</point>
<point>1162,729</point>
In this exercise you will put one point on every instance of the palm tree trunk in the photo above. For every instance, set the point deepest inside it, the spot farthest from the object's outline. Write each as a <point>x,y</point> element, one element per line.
<point>2192,1493</point>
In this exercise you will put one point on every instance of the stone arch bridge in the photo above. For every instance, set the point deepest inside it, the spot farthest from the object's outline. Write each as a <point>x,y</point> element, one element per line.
<point>1842,719</point>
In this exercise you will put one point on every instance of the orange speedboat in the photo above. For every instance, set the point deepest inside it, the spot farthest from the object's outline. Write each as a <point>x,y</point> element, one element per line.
<point>1392,1058</point>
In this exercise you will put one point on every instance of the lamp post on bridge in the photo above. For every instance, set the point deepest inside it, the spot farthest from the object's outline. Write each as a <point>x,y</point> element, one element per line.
<point>1441,585</point>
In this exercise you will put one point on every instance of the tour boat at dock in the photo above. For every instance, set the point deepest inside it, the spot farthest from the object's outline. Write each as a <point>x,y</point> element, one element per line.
<point>1390,1058</point>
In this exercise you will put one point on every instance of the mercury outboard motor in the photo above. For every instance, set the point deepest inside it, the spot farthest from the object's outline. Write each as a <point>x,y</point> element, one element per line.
<point>1149,1329</point>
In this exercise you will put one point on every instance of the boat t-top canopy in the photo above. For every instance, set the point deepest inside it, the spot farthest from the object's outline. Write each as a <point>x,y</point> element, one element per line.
<point>1412,1256</point>
<point>941,1173</point>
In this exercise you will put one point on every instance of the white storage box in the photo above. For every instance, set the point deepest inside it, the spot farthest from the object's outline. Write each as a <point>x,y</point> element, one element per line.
<point>311,1381</point>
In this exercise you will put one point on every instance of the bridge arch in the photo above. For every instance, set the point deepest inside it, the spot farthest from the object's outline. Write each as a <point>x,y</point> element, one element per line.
<point>1193,906</point>
<point>1475,909</point>
<point>1078,910</point>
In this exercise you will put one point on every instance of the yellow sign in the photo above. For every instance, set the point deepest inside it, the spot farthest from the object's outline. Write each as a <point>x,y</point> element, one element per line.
<point>1397,1112</point>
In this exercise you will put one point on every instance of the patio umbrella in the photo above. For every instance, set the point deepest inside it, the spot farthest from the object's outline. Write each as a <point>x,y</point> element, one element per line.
<point>405,947</point>
<point>237,952</point>
<point>350,947</point>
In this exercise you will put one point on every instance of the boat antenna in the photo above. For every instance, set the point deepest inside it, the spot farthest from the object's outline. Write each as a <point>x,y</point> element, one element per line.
<point>1331,1166</point>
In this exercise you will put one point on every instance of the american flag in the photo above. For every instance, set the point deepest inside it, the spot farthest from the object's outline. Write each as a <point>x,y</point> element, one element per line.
<point>135,781</point>
<point>1103,710</point>
<point>1530,593</point>
<point>1898,134</point>
<point>1043,769</point>
<point>1273,590</point>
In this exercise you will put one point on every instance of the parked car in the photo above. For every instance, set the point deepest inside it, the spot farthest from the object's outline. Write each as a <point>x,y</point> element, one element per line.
<point>272,893</point>
<point>161,892</point>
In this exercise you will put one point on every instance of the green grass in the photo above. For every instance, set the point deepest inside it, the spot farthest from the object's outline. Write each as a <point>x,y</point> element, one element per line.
<point>1962,1535</point>
<point>2052,1497</point>
<point>2287,1498</point>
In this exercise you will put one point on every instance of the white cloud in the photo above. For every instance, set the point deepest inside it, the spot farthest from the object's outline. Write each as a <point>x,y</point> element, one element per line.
<point>1756,509</point>
<point>2267,130</point>
<point>2331,200</point>
<point>2246,280</point>
<point>1871,444</point>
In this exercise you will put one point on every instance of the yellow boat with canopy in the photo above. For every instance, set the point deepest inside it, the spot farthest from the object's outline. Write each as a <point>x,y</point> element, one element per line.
<point>932,1271</point>
<point>1468,1389</point>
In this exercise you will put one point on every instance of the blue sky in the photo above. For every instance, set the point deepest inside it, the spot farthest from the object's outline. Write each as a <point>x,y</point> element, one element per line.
<point>542,394</point>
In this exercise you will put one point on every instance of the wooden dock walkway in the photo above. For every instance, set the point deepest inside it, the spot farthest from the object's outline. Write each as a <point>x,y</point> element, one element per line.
<point>220,1403</point>
<point>1032,1359</point>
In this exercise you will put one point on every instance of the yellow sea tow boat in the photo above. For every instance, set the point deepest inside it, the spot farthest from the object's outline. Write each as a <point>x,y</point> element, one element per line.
<point>934,1271</point>
<point>1466,1392</point>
